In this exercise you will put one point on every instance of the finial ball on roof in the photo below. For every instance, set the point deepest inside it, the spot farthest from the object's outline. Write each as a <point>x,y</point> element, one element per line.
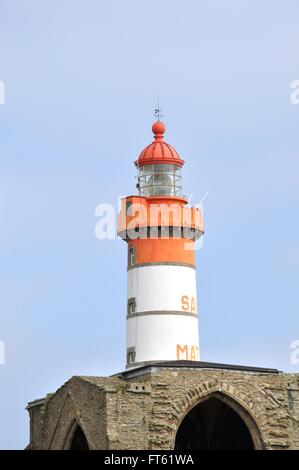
<point>158,127</point>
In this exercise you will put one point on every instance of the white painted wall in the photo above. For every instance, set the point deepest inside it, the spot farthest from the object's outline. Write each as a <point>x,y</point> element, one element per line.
<point>161,287</point>
<point>155,337</point>
<point>155,288</point>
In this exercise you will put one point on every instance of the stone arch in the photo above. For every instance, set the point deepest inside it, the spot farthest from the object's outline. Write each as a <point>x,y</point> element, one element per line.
<point>76,438</point>
<point>67,406</point>
<point>228,394</point>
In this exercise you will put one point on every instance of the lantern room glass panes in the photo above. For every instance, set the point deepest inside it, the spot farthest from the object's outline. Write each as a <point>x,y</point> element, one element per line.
<point>160,180</point>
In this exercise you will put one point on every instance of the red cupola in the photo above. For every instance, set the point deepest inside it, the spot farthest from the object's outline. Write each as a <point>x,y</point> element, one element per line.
<point>159,152</point>
<point>159,167</point>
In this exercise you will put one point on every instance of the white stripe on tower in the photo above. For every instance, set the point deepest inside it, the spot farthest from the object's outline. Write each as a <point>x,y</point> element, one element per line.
<point>162,317</point>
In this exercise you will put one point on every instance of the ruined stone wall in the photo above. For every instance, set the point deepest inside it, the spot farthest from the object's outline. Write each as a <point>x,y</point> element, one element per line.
<point>266,398</point>
<point>145,412</point>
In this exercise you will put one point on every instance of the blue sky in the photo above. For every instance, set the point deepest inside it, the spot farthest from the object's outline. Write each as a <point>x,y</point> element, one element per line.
<point>82,79</point>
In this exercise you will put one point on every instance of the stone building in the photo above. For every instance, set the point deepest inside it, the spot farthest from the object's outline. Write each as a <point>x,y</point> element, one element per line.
<point>167,398</point>
<point>173,405</point>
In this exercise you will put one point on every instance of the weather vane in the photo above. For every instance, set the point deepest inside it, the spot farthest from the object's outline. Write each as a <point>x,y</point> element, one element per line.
<point>158,111</point>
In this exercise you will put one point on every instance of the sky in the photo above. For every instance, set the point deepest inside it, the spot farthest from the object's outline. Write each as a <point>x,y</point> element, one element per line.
<point>81,84</point>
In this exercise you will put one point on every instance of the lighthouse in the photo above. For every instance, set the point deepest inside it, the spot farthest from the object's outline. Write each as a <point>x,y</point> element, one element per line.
<point>178,402</point>
<point>160,229</point>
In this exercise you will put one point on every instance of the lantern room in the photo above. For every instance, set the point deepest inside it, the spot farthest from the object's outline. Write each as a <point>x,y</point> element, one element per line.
<point>159,167</point>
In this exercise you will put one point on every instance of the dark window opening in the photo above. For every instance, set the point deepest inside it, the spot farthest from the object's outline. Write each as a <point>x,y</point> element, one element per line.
<point>79,441</point>
<point>213,425</point>
<point>131,355</point>
<point>131,256</point>
<point>131,306</point>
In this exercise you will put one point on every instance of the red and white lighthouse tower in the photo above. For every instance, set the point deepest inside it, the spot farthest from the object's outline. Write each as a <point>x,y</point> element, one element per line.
<point>160,229</point>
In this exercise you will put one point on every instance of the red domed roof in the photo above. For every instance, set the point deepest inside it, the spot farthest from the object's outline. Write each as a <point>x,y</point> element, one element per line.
<point>159,151</point>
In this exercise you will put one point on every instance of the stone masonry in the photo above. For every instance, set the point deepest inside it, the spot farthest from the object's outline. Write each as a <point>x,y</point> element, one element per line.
<point>142,408</point>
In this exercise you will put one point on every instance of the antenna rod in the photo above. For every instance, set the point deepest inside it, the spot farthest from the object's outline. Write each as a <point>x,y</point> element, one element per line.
<point>158,111</point>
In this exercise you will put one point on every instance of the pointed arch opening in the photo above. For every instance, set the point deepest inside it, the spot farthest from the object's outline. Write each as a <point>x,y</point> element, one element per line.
<point>218,422</point>
<point>76,439</point>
